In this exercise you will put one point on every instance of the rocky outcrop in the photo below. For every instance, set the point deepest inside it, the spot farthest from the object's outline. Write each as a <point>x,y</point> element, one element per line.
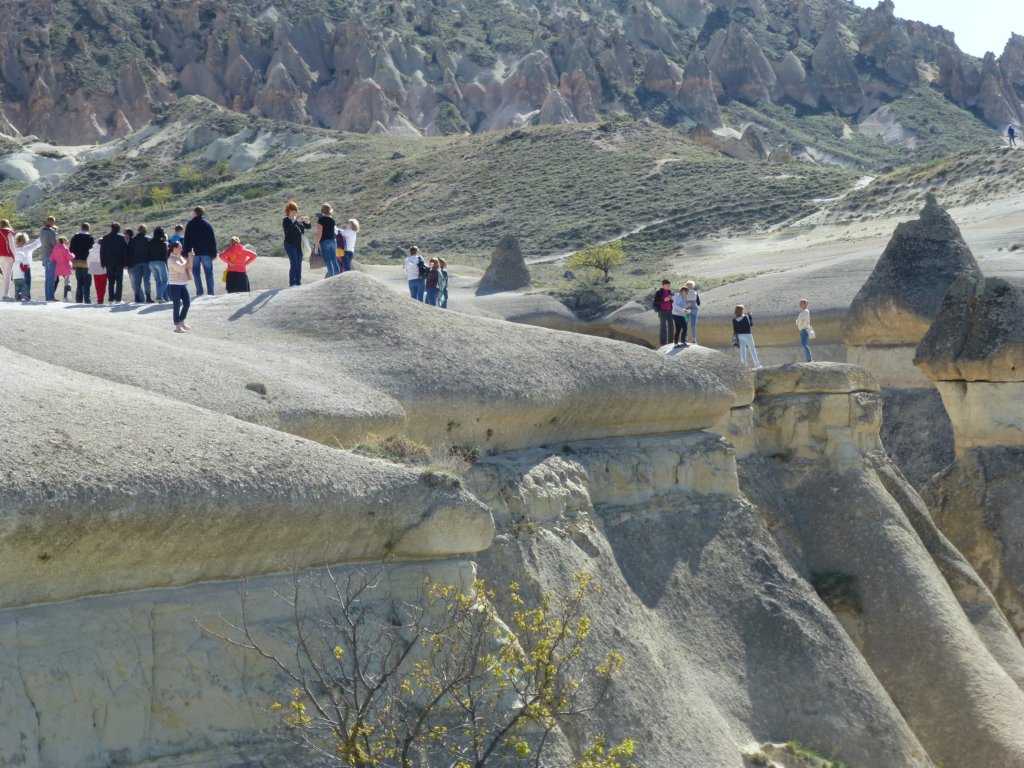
<point>740,66</point>
<point>834,73</point>
<point>902,296</point>
<point>885,43</point>
<point>986,89</point>
<point>793,80</point>
<point>695,94</point>
<point>507,270</point>
<point>888,318</point>
<point>974,352</point>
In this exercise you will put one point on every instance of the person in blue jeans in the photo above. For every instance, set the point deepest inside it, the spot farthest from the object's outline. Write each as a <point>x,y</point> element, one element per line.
<point>327,237</point>
<point>294,228</point>
<point>692,304</point>
<point>47,240</point>
<point>415,273</point>
<point>201,241</point>
<point>803,324</point>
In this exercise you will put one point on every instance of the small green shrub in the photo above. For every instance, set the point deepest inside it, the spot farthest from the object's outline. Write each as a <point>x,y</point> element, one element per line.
<point>257,387</point>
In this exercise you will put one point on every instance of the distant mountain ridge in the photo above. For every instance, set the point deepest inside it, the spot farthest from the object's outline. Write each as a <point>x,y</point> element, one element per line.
<point>85,71</point>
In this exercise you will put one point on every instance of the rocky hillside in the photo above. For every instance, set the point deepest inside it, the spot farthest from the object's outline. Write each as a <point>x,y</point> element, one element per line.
<point>81,71</point>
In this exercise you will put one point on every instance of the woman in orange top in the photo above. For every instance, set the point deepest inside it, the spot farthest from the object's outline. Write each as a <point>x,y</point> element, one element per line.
<point>237,257</point>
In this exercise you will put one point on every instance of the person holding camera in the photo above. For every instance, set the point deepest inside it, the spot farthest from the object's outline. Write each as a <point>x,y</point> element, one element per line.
<point>416,273</point>
<point>294,229</point>
<point>742,323</point>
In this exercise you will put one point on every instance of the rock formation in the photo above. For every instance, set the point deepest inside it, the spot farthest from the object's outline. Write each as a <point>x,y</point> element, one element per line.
<point>785,562</point>
<point>974,352</point>
<point>834,72</point>
<point>739,64</point>
<point>885,42</point>
<point>889,317</point>
<point>507,270</point>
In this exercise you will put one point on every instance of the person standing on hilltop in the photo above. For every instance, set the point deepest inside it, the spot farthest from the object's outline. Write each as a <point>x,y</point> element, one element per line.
<point>1011,134</point>
<point>7,257</point>
<point>692,304</point>
<point>99,274</point>
<point>113,254</point>
<point>442,299</point>
<point>680,309</point>
<point>179,272</point>
<point>415,273</point>
<point>327,239</point>
<point>294,230</point>
<point>742,325</point>
<point>663,306</point>
<point>48,239</point>
<point>80,246</point>
<point>237,257</point>
<point>23,250</point>
<point>63,260</point>
<point>200,242</point>
<point>347,242</point>
<point>156,256</point>
<point>138,265</point>
<point>803,323</point>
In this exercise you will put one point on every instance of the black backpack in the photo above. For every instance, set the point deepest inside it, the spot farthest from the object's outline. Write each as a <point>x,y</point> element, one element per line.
<point>423,268</point>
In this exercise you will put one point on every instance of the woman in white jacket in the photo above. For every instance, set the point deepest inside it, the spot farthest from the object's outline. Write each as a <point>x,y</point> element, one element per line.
<point>803,323</point>
<point>23,251</point>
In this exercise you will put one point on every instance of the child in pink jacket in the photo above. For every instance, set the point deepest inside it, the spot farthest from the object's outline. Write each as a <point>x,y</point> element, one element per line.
<point>62,258</point>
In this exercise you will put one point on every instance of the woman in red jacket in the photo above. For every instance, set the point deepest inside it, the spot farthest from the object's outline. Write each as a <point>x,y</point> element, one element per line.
<point>237,257</point>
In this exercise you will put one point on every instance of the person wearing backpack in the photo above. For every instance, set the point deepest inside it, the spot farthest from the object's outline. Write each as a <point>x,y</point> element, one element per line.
<point>663,306</point>
<point>416,273</point>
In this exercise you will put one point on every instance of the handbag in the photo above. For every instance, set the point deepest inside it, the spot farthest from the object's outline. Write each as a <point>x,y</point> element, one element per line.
<point>307,247</point>
<point>810,332</point>
<point>316,259</point>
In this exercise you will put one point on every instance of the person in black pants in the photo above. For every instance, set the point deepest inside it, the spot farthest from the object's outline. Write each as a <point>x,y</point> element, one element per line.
<point>663,306</point>
<point>80,246</point>
<point>113,254</point>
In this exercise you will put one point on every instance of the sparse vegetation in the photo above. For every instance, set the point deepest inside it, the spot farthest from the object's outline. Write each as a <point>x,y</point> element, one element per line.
<point>439,679</point>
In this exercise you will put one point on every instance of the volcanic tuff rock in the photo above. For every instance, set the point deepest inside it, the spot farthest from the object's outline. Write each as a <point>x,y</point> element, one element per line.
<point>507,270</point>
<point>118,64</point>
<point>902,297</point>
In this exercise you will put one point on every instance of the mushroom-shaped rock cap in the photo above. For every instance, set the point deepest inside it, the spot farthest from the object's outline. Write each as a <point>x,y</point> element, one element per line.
<point>819,378</point>
<point>901,298</point>
<point>978,334</point>
<point>507,270</point>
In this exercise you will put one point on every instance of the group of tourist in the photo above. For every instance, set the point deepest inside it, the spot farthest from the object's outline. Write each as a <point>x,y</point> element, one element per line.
<point>159,267</point>
<point>677,313</point>
<point>428,280</point>
<point>329,242</point>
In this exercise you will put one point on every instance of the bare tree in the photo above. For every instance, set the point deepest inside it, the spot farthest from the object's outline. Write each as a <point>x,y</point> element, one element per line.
<point>438,681</point>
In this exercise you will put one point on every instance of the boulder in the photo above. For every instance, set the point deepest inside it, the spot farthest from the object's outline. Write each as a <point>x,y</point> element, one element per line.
<point>793,80</point>
<point>507,270</point>
<point>695,93</point>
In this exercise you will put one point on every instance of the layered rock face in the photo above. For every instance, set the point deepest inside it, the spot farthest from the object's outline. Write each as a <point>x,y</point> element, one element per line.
<point>975,354</point>
<point>785,562</point>
<point>891,314</point>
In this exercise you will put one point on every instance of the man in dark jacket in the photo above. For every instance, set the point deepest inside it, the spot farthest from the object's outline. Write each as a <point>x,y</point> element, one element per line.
<point>201,241</point>
<point>138,265</point>
<point>80,246</point>
<point>113,254</point>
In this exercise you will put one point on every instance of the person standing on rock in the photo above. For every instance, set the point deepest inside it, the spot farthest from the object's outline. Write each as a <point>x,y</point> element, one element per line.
<point>201,244</point>
<point>663,306</point>
<point>156,257</point>
<point>237,257</point>
<point>803,323</point>
<point>294,229</point>
<point>99,274</point>
<point>81,244</point>
<point>138,265</point>
<point>1011,134</point>
<point>742,323</point>
<point>692,304</point>
<point>179,272</point>
<point>23,251</point>
<point>415,273</point>
<point>679,312</point>
<point>113,255</point>
<point>442,299</point>
<point>327,239</point>
<point>48,239</point>
<point>433,282</point>
<point>7,257</point>
<point>63,260</point>
<point>347,242</point>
